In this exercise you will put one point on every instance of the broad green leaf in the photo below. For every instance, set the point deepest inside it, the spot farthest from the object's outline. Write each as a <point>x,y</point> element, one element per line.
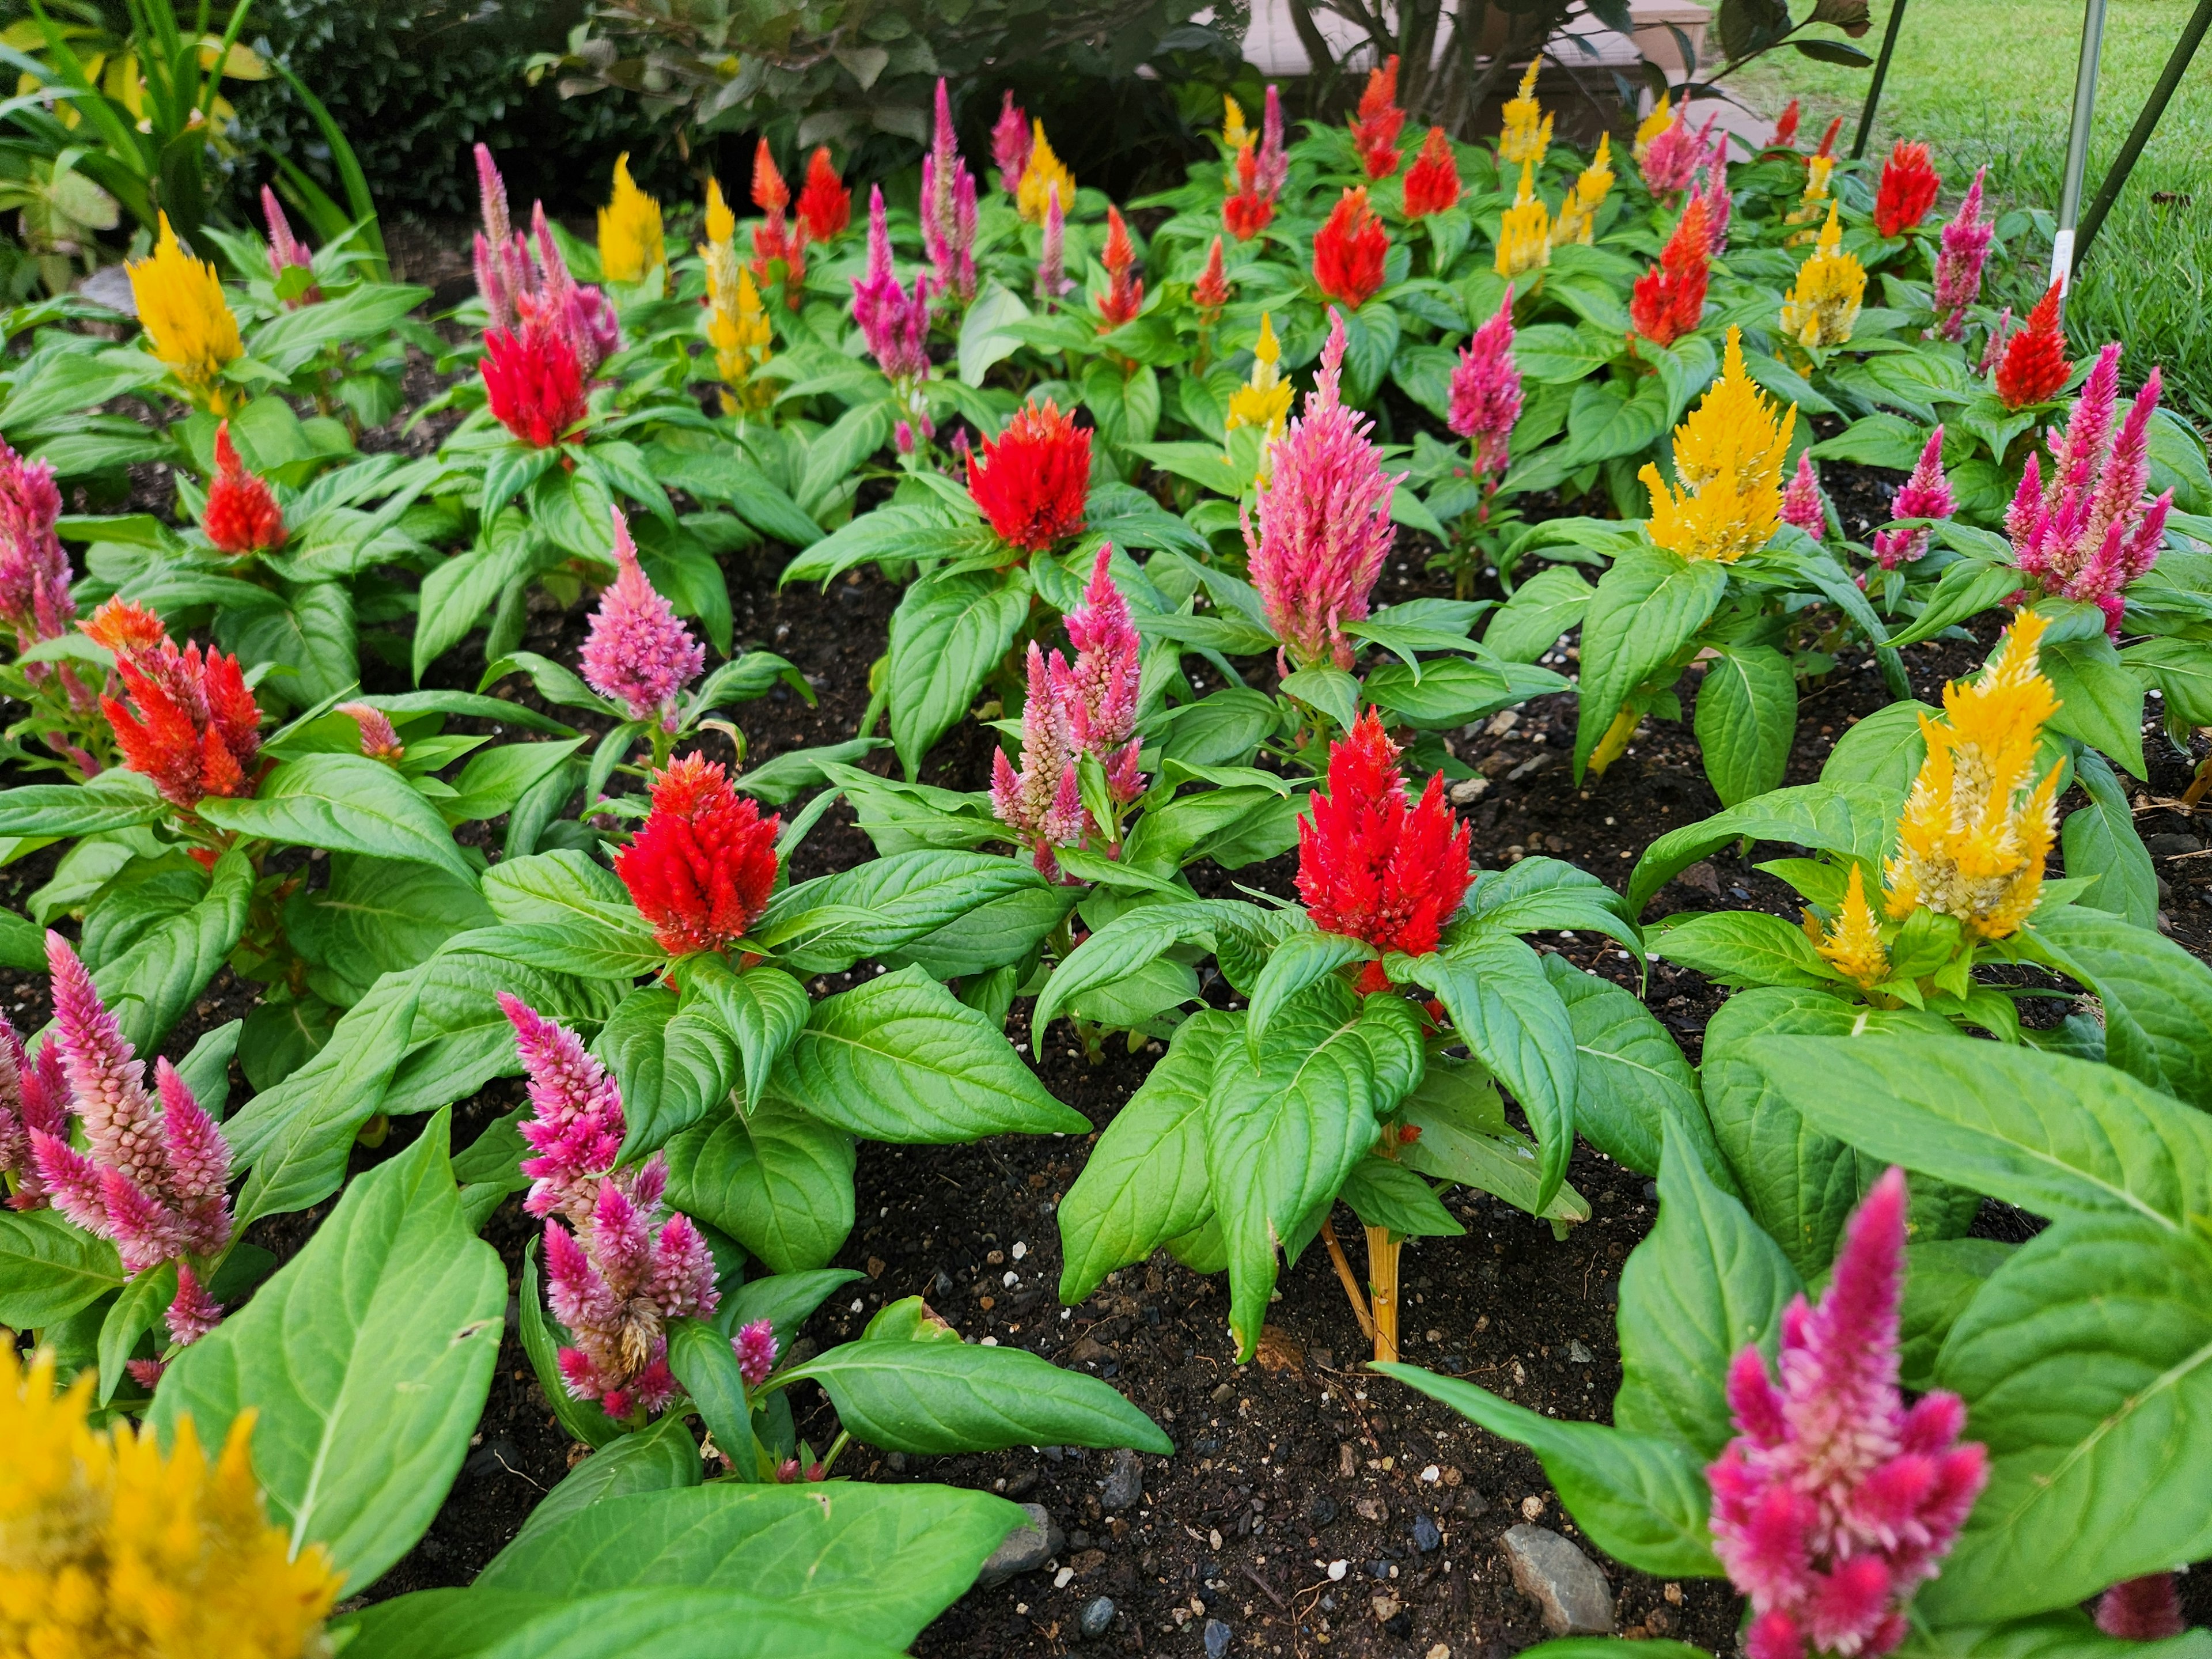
<point>379,915</point>
<point>1126,943</point>
<point>1454,691</point>
<point>2101,701</point>
<point>1542,610</point>
<point>50,1268</point>
<point>150,985</point>
<point>1648,606</point>
<point>346,804</point>
<point>673,1068</point>
<point>945,637</point>
<point>1885,749</point>
<point>826,925</point>
<point>1850,818</point>
<point>1741,949</point>
<point>1303,958</point>
<point>777,1180</point>
<point>704,1361</point>
<point>56,810</point>
<point>1631,1082</point>
<point>1385,1193</point>
<point>660,1458</point>
<point>663,1621</point>
<point>1537,895</point>
<point>2157,997</point>
<point>1747,717</point>
<point>1941,1277</point>
<point>762,1009</point>
<point>784,1300</point>
<point>2100,840</point>
<point>2069,1634</point>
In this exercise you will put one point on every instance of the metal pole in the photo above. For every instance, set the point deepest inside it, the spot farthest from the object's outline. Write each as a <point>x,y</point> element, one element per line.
<point>2077,144</point>
<point>1881,75</point>
<point>2192,36</point>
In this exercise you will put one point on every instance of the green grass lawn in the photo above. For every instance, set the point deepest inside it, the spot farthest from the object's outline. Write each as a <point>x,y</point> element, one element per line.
<point>1991,81</point>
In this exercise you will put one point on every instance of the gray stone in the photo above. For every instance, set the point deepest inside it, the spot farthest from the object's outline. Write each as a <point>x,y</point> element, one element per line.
<point>1217,1639</point>
<point>1027,1548</point>
<point>1095,1618</point>
<point>1426,1537</point>
<point>1565,1585</point>
<point>1124,1483</point>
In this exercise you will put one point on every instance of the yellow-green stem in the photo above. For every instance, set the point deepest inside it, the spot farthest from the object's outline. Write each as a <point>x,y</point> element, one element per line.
<point>1615,740</point>
<point>1383,1252</point>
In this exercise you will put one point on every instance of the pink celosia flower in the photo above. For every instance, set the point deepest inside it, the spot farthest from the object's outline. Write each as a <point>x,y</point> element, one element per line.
<point>518,288</point>
<point>576,1128</point>
<point>756,1347</point>
<point>1324,528</point>
<point>1052,260</point>
<point>948,208</point>
<point>1834,1501</point>
<point>2146,1609</point>
<point>377,740</point>
<point>1009,144</point>
<point>1993,350</point>
<point>193,1313</point>
<point>638,654</point>
<point>34,1096</point>
<point>2091,532</point>
<point>1803,504</point>
<point>34,570</point>
<point>894,324</point>
<point>1715,195</point>
<point>1275,168</point>
<point>1043,802</point>
<point>1486,392</point>
<point>1925,495</point>
<point>285,249</point>
<point>1958,267</point>
<point>1676,154</point>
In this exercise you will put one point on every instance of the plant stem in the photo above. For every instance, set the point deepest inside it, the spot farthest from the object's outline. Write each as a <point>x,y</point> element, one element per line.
<point>1616,739</point>
<point>1383,1253</point>
<point>1351,1283</point>
<point>844,1439</point>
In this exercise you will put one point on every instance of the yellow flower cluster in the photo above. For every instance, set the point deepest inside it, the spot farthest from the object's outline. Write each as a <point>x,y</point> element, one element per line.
<point>1527,132</point>
<point>721,223</point>
<point>1234,133</point>
<point>1728,457</point>
<point>737,328</point>
<point>1852,945</point>
<point>1044,170</point>
<point>188,323</point>
<point>1577,220</point>
<point>1263,401</point>
<point>110,1551</point>
<point>1524,230</point>
<point>1661,118</point>
<point>1823,306</point>
<point>1978,825</point>
<point>1817,170</point>
<point>630,242</point>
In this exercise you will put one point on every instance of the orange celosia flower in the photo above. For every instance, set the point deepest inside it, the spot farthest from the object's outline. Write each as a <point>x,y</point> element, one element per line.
<point>191,726</point>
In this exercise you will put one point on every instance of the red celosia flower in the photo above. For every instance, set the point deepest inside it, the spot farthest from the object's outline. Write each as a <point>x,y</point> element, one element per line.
<point>1031,480</point>
<point>776,239</point>
<point>1827,145</point>
<point>535,383</point>
<point>702,866</point>
<point>1371,864</point>
<point>1125,297</point>
<point>1250,210</point>
<point>242,515</point>
<point>2034,369</point>
<point>1432,182</point>
<point>192,726</point>
<point>770,193</point>
<point>1211,291</point>
<point>1909,184</point>
<point>1670,298</point>
<point>825,206</point>
<point>1785,129</point>
<point>1375,132</point>
<point>1349,251</point>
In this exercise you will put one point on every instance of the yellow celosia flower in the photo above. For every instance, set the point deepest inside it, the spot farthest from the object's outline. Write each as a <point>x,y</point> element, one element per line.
<point>737,327</point>
<point>187,322</point>
<point>1527,132</point>
<point>1044,170</point>
<point>1824,303</point>
<point>1661,118</point>
<point>629,230</point>
<point>1976,827</point>
<point>110,1551</point>
<point>1728,456</point>
<point>1524,230</point>
<point>1263,401</point>
<point>1234,133</point>
<point>1577,220</point>
<point>1852,945</point>
<point>721,223</point>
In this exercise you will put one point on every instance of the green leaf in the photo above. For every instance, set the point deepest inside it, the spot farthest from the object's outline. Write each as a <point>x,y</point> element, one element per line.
<point>665,1621</point>
<point>945,637</point>
<point>50,1268</point>
<point>1126,944</point>
<point>1747,719</point>
<point>379,915</point>
<point>1743,948</point>
<point>1850,818</point>
<point>725,474</point>
<point>367,1358</point>
<point>56,810</point>
<point>826,925</point>
<point>2157,997</point>
<point>2070,1634</point>
<point>150,985</point>
<point>1456,690</point>
<point>660,1458</point>
<point>777,1180</point>
<point>495,779</point>
<point>1885,749</point>
<point>1542,609</point>
<point>1942,1276</point>
<point>1964,589</point>
<point>1630,1076</point>
<point>581,1420</point>
<point>1384,1193</point>
<point>2101,701</point>
<point>1648,606</point>
<point>344,803</point>
<point>763,1009</point>
<point>672,1066</point>
<point>455,595</point>
<point>289,339</point>
<point>1303,958</point>
<point>309,630</point>
<point>707,1365</point>
<point>1537,895</point>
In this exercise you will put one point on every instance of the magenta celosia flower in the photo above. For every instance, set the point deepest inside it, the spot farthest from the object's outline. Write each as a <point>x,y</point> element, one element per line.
<point>34,570</point>
<point>193,1313</point>
<point>948,208</point>
<point>2146,1609</point>
<point>1993,350</point>
<point>379,741</point>
<point>756,1348</point>
<point>1802,503</point>
<point>1324,528</point>
<point>1052,260</point>
<point>1925,495</point>
<point>1674,156</point>
<point>2090,532</point>
<point>1009,144</point>
<point>638,654</point>
<point>286,250</point>
<point>1713,172</point>
<point>617,1282</point>
<point>1042,802</point>
<point>1834,1501</point>
<point>1959,266</point>
<point>517,289</point>
<point>34,1096</point>
<point>1486,392</point>
<point>576,1128</point>
<point>1273,170</point>
<point>894,323</point>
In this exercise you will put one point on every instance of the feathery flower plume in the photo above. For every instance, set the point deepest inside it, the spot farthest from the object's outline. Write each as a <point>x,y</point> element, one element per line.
<point>1030,481</point>
<point>1728,456</point>
<point>2146,1609</point>
<point>1527,131</point>
<point>379,741</point>
<point>576,1124</point>
<point>1486,392</point>
<point>188,323</point>
<point>825,204</point>
<point>1235,135</point>
<point>1649,128</point>
<point>35,568</point>
<point>286,250</point>
<point>195,730</point>
<point>1714,195</point>
<point>1577,219</point>
<point>1965,249</point>
<point>534,382</point>
<point>1275,160</point>
<point>1834,1501</point>
<point>1375,131</point>
<point>1124,295</point>
<point>1324,528</point>
<point>1908,189</point>
<point>1041,174</point>
<point>736,326</point>
<point>502,258</point>
<point>1432,182</point>
<point>2091,532</point>
<point>1925,495</point>
<point>1784,135</point>
<point>948,208</point>
<point>1010,144</point>
<point>1052,260</point>
<point>1827,145</point>
<point>1524,231</point>
<point>34,1098</point>
<point>2034,368</point>
<point>1247,210</point>
<point>702,866</point>
<point>1264,400</point>
<point>638,654</point>
<point>518,287</point>
<point>1211,291</point>
<point>617,1281</point>
<point>1349,251</point>
<point>718,222</point>
<point>1669,300</point>
<point>1813,203</point>
<point>1802,503</point>
<point>630,239</point>
<point>1672,159</point>
<point>756,1347</point>
<point>1852,945</point>
<point>1372,864</point>
<point>114,1549</point>
<point>894,323</point>
<point>775,241</point>
<point>1823,304</point>
<point>242,516</point>
<point>1042,803</point>
<point>1977,826</point>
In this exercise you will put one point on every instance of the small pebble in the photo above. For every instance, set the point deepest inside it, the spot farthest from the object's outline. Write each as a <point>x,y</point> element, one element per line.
<point>1217,1639</point>
<point>1096,1617</point>
<point>1322,1511</point>
<point>1338,1569</point>
<point>1425,1535</point>
<point>1063,1579</point>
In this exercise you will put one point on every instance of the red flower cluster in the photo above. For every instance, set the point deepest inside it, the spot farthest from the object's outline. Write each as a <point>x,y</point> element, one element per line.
<point>1432,182</point>
<point>1031,480</point>
<point>192,726</point>
<point>825,206</point>
<point>775,238</point>
<point>702,867</point>
<point>1211,291</point>
<point>1785,129</point>
<point>1372,866</point>
<point>1670,298</point>
<point>1375,134</point>
<point>1909,184</point>
<point>1125,298</point>
<point>242,516</point>
<point>1249,211</point>
<point>1350,249</point>
<point>2034,369</point>
<point>534,381</point>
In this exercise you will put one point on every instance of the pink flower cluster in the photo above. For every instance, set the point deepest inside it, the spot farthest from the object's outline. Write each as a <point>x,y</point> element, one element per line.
<point>286,250</point>
<point>1925,495</point>
<point>1712,172</point>
<point>1324,527</point>
<point>1965,249</point>
<point>638,654</point>
<point>1089,708</point>
<point>1052,280</point>
<point>1802,503</point>
<point>1673,161</point>
<point>894,323</point>
<point>34,571</point>
<point>576,1127</point>
<point>518,290</point>
<point>1486,392</point>
<point>2090,532</point>
<point>1834,1501</point>
<point>1011,144</point>
<point>948,208</point>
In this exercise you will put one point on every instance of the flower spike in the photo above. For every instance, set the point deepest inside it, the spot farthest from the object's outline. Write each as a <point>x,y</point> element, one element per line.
<point>242,516</point>
<point>1030,481</point>
<point>638,654</point>
<point>702,866</point>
